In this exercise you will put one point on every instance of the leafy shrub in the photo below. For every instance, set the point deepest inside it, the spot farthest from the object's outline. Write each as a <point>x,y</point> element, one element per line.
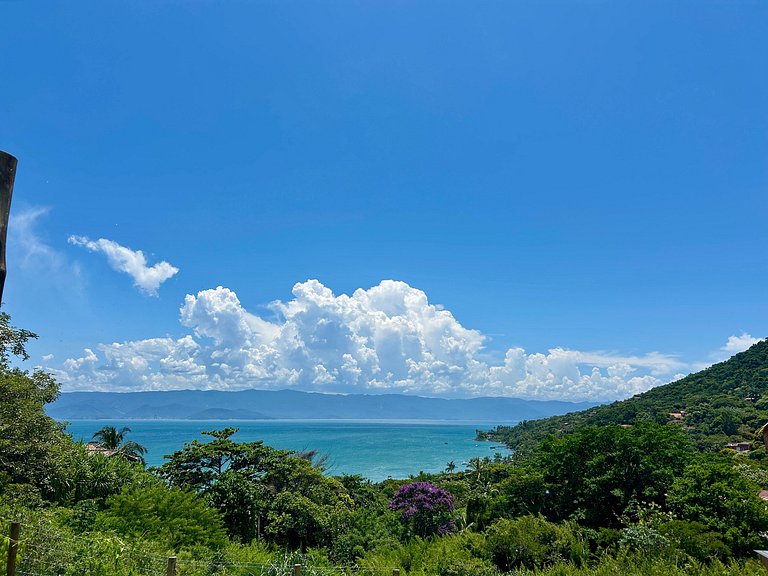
<point>297,522</point>
<point>367,529</point>
<point>753,472</point>
<point>175,517</point>
<point>532,542</point>
<point>461,554</point>
<point>712,493</point>
<point>82,516</point>
<point>643,538</point>
<point>696,540</point>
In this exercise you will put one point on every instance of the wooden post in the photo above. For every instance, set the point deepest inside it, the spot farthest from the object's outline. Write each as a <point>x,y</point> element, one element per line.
<point>7,176</point>
<point>395,571</point>
<point>13,547</point>
<point>171,571</point>
<point>297,570</point>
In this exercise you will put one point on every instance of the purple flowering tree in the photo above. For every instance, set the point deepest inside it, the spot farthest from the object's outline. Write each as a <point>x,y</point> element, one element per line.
<point>425,508</point>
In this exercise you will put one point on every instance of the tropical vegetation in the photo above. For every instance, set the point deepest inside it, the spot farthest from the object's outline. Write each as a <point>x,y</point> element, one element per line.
<point>112,439</point>
<point>612,495</point>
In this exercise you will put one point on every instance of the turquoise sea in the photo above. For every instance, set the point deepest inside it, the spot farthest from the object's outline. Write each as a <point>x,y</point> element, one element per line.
<point>374,449</point>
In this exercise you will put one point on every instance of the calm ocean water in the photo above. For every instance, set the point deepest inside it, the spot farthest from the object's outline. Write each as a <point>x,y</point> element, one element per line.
<point>373,449</point>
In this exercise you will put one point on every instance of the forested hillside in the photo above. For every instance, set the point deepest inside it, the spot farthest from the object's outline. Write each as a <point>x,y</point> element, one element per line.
<point>726,403</point>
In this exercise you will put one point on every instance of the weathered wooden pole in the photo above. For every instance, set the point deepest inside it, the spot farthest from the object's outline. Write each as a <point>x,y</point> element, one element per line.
<point>396,572</point>
<point>297,570</point>
<point>7,176</point>
<point>171,569</point>
<point>13,547</point>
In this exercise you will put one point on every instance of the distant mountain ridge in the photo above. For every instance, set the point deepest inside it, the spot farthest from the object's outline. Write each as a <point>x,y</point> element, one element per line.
<point>292,404</point>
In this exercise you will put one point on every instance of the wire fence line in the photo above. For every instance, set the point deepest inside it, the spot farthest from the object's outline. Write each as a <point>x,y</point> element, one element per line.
<point>45,552</point>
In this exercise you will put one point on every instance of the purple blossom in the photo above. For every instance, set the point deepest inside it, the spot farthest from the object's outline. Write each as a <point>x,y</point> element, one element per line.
<point>426,508</point>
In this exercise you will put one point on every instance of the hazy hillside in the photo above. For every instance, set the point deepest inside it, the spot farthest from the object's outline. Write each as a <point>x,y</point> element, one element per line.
<point>287,404</point>
<point>725,403</point>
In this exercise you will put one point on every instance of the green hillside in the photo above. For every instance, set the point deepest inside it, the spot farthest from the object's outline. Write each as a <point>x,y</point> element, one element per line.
<point>723,404</point>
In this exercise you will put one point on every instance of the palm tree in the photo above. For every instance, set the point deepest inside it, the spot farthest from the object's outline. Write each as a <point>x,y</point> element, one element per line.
<point>110,438</point>
<point>319,461</point>
<point>478,465</point>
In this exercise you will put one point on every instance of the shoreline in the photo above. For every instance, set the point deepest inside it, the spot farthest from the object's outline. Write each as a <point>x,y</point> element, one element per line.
<point>319,420</point>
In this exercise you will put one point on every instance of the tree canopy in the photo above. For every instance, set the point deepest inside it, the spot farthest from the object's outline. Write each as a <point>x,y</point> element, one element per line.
<point>260,490</point>
<point>31,443</point>
<point>111,438</point>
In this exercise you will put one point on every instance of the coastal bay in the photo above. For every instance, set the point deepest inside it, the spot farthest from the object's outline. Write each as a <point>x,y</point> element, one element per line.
<point>375,449</point>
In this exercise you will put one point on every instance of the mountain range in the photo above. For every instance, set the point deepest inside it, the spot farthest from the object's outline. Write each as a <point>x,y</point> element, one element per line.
<point>292,404</point>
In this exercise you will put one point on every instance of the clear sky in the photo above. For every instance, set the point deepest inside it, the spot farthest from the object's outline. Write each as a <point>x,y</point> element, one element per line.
<point>548,199</point>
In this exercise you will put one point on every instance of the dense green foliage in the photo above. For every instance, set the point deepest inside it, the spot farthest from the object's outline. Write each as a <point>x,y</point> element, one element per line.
<point>30,442</point>
<point>171,516</point>
<point>260,490</point>
<point>599,474</point>
<point>600,499</point>
<point>712,493</point>
<point>113,439</point>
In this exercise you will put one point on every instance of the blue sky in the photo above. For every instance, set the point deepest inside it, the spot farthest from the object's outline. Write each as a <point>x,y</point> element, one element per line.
<point>569,197</point>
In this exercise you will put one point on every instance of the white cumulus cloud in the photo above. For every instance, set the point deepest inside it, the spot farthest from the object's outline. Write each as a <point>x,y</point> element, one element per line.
<point>132,262</point>
<point>739,343</point>
<point>388,338</point>
<point>734,345</point>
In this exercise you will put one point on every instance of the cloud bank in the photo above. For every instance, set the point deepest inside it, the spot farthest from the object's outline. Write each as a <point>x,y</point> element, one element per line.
<point>131,262</point>
<point>388,338</point>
